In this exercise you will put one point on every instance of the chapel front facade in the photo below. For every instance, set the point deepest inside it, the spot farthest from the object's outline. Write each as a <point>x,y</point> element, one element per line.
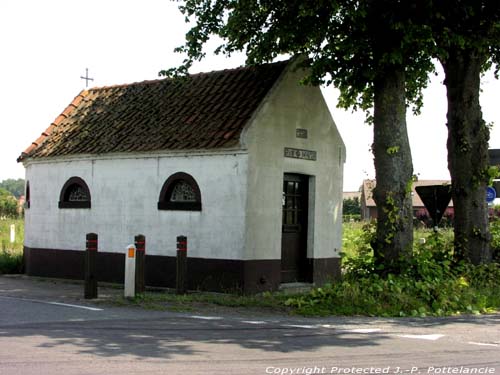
<point>253,179</point>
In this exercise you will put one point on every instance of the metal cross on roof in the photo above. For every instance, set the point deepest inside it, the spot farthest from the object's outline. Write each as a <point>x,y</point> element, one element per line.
<point>86,78</point>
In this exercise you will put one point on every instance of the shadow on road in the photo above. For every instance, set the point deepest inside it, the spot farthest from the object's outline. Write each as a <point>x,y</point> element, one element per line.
<point>164,338</point>
<point>164,335</point>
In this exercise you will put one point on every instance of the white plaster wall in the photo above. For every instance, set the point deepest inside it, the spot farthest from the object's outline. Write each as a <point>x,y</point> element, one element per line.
<point>290,106</point>
<point>125,194</point>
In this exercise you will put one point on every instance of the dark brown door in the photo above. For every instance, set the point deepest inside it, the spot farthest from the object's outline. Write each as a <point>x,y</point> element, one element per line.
<point>294,230</point>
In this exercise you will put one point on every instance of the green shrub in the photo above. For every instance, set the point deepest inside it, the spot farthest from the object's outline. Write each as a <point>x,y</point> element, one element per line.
<point>11,254</point>
<point>431,285</point>
<point>10,261</point>
<point>495,238</point>
<point>351,206</point>
<point>357,253</point>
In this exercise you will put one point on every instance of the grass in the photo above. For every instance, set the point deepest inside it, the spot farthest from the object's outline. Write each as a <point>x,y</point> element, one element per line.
<point>11,254</point>
<point>265,302</point>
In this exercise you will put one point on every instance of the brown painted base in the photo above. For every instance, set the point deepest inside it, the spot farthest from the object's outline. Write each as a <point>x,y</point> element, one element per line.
<point>222,275</point>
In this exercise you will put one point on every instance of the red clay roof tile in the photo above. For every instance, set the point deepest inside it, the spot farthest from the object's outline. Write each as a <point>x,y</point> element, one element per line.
<point>206,111</point>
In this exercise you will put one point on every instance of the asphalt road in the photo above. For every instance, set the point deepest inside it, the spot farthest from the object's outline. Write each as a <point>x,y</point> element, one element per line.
<point>48,329</point>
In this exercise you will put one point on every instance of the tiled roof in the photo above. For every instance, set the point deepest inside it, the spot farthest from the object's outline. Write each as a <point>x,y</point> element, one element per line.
<point>369,185</point>
<point>206,111</point>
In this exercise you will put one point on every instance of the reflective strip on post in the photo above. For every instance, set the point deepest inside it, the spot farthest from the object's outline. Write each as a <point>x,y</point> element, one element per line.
<point>92,244</point>
<point>182,243</point>
<point>140,245</point>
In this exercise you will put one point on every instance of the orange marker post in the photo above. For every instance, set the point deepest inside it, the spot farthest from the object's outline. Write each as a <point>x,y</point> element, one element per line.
<point>129,288</point>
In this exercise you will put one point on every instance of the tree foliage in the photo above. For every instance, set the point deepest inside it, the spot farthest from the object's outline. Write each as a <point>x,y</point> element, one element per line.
<point>349,43</point>
<point>467,42</point>
<point>15,187</point>
<point>461,26</point>
<point>8,204</point>
<point>351,206</point>
<point>370,50</point>
<point>381,49</point>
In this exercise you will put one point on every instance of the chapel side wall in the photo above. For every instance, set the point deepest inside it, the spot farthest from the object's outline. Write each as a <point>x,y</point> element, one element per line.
<point>125,194</point>
<point>291,106</point>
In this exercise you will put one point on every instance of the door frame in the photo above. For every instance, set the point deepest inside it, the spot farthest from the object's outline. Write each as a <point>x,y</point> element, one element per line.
<point>304,269</point>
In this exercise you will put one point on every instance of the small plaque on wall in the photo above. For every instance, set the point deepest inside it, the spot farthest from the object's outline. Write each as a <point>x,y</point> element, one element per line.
<point>301,133</point>
<point>300,154</point>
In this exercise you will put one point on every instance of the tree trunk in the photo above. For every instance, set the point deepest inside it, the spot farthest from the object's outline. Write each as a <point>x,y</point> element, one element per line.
<point>468,160</point>
<point>394,173</point>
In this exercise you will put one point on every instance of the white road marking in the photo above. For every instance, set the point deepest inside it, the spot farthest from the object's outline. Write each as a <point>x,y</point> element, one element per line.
<point>354,330</point>
<point>75,306</point>
<point>364,330</point>
<point>253,322</point>
<point>433,337</point>
<point>483,344</point>
<point>54,303</point>
<point>205,317</point>
<point>300,326</point>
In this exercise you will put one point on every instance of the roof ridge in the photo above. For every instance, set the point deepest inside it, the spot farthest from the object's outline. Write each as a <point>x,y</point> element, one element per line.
<point>153,81</point>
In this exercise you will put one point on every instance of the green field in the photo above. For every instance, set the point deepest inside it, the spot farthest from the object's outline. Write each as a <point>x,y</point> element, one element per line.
<point>11,253</point>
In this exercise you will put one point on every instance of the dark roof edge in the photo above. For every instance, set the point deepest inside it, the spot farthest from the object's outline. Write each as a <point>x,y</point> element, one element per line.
<point>67,111</point>
<point>138,154</point>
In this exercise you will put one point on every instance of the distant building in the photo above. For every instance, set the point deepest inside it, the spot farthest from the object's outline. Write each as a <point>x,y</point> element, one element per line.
<point>369,208</point>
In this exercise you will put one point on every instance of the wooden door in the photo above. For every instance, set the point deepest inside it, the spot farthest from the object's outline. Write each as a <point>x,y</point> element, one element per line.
<point>294,229</point>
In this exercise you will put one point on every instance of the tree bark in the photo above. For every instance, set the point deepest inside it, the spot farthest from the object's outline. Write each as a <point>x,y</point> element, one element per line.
<point>468,161</point>
<point>394,172</point>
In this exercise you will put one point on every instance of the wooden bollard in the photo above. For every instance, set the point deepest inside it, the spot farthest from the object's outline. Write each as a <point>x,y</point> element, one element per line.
<point>181,274</point>
<point>140,264</point>
<point>90,266</point>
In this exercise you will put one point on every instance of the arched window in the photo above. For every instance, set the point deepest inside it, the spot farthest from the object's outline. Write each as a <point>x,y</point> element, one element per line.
<point>75,194</point>
<point>180,192</point>
<point>28,196</point>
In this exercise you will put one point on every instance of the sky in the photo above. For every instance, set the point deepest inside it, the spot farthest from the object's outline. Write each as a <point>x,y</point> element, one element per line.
<point>45,47</point>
